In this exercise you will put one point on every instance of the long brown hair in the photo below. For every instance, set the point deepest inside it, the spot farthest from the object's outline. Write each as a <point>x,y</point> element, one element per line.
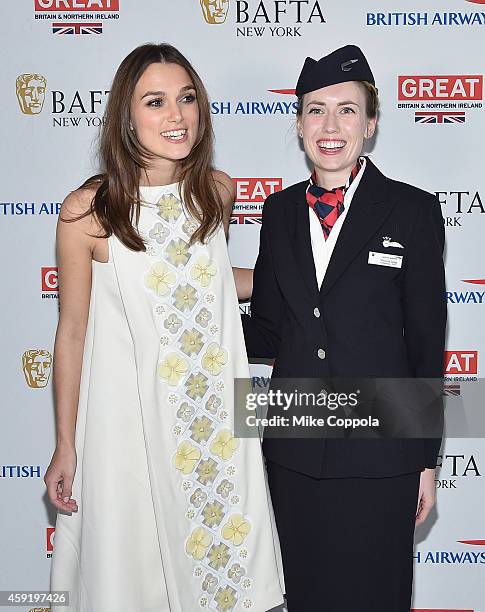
<point>116,204</point>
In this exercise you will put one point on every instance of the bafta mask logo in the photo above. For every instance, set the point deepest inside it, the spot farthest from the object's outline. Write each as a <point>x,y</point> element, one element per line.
<point>30,90</point>
<point>214,11</point>
<point>37,365</point>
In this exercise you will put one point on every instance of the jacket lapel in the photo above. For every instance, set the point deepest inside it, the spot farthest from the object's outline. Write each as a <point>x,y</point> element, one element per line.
<point>302,246</point>
<point>370,208</point>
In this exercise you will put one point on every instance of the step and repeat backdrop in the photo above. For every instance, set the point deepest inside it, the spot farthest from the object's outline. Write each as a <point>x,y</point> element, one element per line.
<point>59,57</point>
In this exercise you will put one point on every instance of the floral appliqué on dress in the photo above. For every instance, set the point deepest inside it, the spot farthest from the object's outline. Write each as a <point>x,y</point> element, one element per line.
<point>191,369</point>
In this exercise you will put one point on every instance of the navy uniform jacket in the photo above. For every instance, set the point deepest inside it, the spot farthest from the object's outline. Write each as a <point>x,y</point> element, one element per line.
<point>365,321</point>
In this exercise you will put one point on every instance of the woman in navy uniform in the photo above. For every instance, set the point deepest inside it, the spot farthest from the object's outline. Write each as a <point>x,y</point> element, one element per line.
<point>349,282</point>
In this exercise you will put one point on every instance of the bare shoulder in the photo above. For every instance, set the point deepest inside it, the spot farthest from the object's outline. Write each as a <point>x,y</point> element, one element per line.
<point>76,246</point>
<point>78,231</point>
<point>225,186</point>
<point>76,211</point>
<point>77,203</point>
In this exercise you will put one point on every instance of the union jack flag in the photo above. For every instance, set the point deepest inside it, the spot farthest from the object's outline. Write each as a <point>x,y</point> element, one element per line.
<point>439,117</point>
<point>246,219</point>
<point>452,390</point>
<point>77,28</point>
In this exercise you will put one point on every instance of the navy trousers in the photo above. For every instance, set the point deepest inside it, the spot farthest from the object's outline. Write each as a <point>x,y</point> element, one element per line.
<point>347,543</point>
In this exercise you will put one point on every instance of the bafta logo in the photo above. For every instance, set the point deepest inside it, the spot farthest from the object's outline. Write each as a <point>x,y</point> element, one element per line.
<point>30,90</point>
<point>37,365</point>
<point>214,11</point>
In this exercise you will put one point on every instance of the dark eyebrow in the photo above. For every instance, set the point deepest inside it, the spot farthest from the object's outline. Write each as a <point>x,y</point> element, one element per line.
<point>162,93</point>
<point>324,104</point>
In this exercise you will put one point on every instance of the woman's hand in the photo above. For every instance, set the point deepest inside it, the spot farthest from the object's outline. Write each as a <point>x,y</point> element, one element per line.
<point>59,478</point>
<point>427,495</point>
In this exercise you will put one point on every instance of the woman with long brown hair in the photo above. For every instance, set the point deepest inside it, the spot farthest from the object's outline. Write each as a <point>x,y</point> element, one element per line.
<point>161,507</point>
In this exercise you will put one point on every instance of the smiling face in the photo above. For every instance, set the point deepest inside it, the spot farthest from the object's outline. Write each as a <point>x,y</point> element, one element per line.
<point>165,113</point>
<point>333,125</point>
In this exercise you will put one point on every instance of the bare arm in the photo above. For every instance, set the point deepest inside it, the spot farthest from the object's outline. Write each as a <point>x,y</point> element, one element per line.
<point>242,277</point>
<point>75,249</point>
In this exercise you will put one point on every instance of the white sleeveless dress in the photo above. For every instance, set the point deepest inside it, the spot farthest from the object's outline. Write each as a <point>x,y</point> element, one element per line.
<point>174,513</point>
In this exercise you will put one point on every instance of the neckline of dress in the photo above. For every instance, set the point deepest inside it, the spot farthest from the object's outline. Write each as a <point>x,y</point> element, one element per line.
<point>155,187</point>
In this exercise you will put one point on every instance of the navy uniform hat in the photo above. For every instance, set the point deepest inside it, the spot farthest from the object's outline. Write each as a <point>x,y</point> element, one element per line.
<point>345,64</point>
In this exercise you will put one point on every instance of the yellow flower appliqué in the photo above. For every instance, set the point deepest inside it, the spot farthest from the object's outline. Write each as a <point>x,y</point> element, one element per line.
<point>191,341</point>
<point>201,429</point>
<point>219,556</point>
<point>186,457</point>
<point>203,271</point>
<point>169,207</point>
<point>236,529</point>
<point>213,513</point>
<point>207,471</point>
<point>198,543</point>
<point>160,278</point>
<point>224,445</point>
<point>172,368</point>
<point>214,358</point>
<point>185,297</point>
<point>178,252</point>
<point>196,385</point>
<point>226,599</point>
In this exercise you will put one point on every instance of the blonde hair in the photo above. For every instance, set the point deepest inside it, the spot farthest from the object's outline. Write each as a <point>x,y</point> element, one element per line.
<point>371,99</point>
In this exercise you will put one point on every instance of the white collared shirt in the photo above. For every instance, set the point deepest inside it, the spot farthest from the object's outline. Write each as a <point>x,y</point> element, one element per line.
<point>323,249</point>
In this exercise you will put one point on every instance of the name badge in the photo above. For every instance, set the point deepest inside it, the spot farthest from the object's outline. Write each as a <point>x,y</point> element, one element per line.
<point>385,259</point>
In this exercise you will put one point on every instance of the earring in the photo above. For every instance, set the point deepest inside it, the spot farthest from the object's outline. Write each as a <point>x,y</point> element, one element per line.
<point>131,127</point>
